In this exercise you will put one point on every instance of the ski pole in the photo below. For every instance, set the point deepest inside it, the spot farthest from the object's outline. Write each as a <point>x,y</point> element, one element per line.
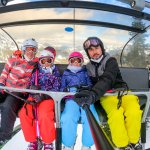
<point>18,97</point>
<point>100,138</point>
<point>39,142</point>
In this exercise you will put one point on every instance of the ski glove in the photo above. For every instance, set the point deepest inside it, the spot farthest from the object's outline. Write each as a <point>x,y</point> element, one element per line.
<point>35,87</point>
<point>37,97</point>
<point>1,90</point>
<point>85,97</point>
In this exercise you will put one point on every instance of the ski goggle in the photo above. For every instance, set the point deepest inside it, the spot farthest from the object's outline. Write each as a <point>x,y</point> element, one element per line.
<point>46,60</point>
<point>76,60</point>
<point>28,49</point>
<point>91,42</point>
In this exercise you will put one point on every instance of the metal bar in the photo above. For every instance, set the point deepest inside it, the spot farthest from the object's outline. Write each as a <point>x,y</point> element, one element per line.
<point>75,4</point>
<point>57,96</point>
<point>72,21</point>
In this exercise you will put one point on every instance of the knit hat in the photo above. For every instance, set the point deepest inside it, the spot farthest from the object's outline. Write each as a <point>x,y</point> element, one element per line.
<point>52,50</point>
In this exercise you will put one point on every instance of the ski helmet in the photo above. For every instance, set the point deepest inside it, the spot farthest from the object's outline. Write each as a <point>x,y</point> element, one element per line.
<point>29,43</point>
<point>47,53</point>
<point>93,41</point>
<point>76,54</point>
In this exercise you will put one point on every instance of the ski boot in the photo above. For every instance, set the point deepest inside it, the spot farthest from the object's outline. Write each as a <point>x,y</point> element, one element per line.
<point>68,148</point>
<point>137,146</point>
<point>48,146</point>
<point>32,146</point>
<point>85,148</point>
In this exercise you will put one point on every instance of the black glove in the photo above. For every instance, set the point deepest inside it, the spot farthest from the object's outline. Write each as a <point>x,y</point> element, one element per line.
<point>84,87</point>
<point>1,90</point>
<point>35,87</point>
<point>85,97</point>
<point>37,98</point>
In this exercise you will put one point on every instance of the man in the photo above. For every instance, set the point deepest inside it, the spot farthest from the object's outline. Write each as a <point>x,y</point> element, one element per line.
<point>16,73</point>
<point>124,121</point>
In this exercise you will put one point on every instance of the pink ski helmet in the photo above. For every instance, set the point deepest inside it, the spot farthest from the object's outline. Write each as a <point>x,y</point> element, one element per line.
<point>76,54</point>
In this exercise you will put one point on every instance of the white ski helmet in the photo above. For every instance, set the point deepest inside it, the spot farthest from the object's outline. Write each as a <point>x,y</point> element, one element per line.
<point>29,43</point>
<point>45,53</point>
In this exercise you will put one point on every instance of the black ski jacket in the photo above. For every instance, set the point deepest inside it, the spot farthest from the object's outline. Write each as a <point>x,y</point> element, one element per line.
<point>106,78</point>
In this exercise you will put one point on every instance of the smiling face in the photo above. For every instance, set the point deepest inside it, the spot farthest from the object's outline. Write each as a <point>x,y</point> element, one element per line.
<point>76,61</point>
<point>30,52</point>
<point>46,62</point>
<point>95,52</point>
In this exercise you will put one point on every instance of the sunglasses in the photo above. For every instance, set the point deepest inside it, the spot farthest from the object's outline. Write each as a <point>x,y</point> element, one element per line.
<point>76,60</point>
<point>28,49</point>
<point>46,60</point>
<point>91,42</point>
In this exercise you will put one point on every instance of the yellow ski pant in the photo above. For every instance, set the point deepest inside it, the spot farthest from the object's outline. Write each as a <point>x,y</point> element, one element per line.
<point>125,122</point>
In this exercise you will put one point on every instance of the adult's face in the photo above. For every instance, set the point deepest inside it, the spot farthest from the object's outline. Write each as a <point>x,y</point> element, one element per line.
<point>95,52</point>
<point>30,52</point>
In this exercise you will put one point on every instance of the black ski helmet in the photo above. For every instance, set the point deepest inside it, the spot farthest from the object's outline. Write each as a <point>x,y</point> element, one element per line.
<point>96,41</point>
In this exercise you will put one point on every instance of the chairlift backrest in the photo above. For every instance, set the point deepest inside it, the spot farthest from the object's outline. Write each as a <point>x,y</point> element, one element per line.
<point>136,78</point>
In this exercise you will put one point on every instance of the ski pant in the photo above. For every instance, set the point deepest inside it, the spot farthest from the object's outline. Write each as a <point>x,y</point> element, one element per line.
<point>125,122</point>
<point>8,112</point>
<point>69,121</point>
<point>45,118</point>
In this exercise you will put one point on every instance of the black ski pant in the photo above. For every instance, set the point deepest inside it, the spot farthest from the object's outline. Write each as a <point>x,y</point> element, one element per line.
<point>8,113</point>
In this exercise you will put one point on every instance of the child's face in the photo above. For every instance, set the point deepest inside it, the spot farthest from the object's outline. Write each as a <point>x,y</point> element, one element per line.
<point>76,61</point>
<point>46,62</point>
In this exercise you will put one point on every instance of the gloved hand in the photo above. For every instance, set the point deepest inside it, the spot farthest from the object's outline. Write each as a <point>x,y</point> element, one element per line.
<point>1,90</point>
<point>35,87</point>
<point>84,87</point>
<point>37,98</point>
<point>85,97</point>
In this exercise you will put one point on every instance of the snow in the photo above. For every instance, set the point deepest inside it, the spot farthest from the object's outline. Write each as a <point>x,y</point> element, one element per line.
<point>18,142</point>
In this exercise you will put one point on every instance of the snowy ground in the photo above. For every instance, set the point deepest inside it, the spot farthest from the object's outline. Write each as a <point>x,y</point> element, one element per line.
<point>18,142</point>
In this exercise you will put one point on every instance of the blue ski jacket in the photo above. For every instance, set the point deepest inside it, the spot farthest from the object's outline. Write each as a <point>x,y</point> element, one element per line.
<point>71,81</point>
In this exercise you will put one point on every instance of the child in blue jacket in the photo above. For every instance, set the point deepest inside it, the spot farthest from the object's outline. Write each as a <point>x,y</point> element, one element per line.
<point>74,78</point>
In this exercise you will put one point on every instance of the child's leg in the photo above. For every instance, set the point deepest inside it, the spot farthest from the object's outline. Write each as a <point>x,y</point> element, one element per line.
<point>69,122</point>
<point>133,116</point>
<point>86,128</point>
<point>46,120</point>
<point>115,120</point>
<point>27,123</point>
